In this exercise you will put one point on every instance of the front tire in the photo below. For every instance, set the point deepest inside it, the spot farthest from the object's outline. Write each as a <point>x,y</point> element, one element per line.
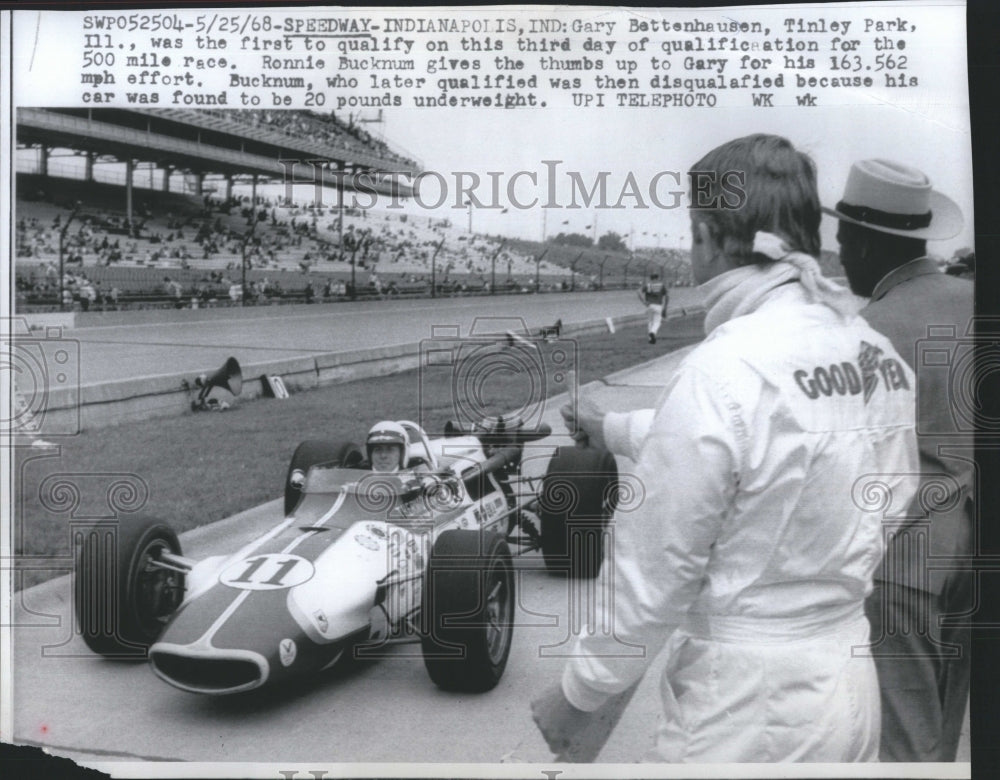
<point>313,453</point>
<point>578,498</point>
<point>468,605</point>
<point>123,600</point>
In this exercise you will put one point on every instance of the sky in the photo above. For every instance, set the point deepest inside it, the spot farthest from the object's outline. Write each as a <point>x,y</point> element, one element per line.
<point>937,142</point>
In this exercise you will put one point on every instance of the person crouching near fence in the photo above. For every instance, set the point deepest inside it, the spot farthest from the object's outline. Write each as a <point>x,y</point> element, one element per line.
<point>752,551</point>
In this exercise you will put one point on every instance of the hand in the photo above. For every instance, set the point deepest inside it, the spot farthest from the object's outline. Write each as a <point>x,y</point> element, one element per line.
<point>585,422</point>
<point>559,721</point>
<point>573,735</point>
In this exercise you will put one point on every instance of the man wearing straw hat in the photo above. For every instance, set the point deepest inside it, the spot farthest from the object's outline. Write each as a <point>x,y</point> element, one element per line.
<point>887,214</point>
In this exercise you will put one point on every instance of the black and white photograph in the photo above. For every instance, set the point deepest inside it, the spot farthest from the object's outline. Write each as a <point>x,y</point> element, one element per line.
<point>511,391</point>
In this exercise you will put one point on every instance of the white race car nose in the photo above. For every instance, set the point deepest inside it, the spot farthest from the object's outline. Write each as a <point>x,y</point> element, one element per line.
<point>208,670</point>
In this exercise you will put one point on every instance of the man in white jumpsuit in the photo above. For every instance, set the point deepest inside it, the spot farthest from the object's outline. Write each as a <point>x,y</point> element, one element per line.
<point>775,450</point>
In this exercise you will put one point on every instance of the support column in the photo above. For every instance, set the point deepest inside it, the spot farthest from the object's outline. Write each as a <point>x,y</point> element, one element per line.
<point>129,170</point>
<point>199,183</point>
<point>167,170</point>
<point>229,186</point>
<point>89,172</point>
<point>341,173</point>
<point>43,160</point>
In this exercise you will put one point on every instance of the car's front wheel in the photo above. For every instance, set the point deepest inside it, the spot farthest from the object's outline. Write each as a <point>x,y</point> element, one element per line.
<point>468,609</point>
<point>123,595</point>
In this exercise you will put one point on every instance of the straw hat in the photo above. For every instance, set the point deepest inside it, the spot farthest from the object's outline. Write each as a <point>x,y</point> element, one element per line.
<point>891,197</point>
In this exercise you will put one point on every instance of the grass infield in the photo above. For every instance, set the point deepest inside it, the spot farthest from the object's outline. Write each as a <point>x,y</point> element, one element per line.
<point>198,468</point>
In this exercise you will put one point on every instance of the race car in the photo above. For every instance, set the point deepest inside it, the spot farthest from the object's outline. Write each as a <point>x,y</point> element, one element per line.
<point>360,560</point>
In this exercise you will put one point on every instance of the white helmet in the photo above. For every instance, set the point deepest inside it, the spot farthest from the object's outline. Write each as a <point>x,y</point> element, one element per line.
<point>388,432</point>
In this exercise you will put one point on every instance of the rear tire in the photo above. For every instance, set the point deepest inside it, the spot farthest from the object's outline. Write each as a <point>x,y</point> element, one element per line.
<point>122,601</point>
<point>313,453</point>
<point>576,502</point>
<point>468,609</point>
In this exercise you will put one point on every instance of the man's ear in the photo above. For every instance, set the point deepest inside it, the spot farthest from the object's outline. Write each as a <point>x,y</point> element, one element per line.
<point>864,247</point>
<point>707,237</point>
<point>702,231</point>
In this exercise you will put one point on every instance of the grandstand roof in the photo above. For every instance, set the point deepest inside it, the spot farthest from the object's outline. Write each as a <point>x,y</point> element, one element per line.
<point>198,141</point>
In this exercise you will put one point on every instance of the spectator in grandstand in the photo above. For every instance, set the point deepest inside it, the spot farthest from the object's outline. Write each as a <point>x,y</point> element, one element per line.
<point>747,556</point>
<point>375,283</point>
<point>88,295</point>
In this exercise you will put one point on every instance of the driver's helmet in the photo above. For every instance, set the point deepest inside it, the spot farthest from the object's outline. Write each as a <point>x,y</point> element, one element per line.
<point>388,432</point>
<point>495,431</point>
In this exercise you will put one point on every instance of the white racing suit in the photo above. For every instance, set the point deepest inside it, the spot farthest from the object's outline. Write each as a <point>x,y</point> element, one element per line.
<point>775,451</point>
<point>654,296</point>
<point>654,317</point>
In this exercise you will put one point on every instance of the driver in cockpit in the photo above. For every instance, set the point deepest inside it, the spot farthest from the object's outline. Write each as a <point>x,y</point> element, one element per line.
<point>387,446</point>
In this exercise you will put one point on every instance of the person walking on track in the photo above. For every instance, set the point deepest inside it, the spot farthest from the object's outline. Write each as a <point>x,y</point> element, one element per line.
<point>653,295</point>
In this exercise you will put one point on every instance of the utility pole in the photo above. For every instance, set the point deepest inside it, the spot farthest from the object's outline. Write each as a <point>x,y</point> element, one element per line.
<point>62,238</point>
<point>538,263</point>
<point>354,265</point>
<point>246,241</point>
<point>493,268</point>
<point>434,268</point>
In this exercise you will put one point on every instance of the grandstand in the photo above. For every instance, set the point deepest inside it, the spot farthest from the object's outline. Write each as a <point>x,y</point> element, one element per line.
<point>173,229</point>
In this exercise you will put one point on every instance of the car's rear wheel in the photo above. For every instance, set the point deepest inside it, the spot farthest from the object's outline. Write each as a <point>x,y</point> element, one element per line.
<point>576,502</point>
<point>123,598</point>
<point>468,605</point>
<point>313,453</point>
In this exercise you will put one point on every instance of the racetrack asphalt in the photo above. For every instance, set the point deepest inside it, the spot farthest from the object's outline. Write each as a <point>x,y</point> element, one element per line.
<point>109,714</point>
<point>141,346</point>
